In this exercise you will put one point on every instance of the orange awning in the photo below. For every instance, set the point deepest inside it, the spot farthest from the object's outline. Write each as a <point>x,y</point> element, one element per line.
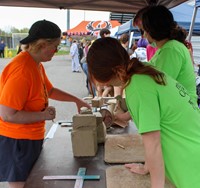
<point>91,27</point>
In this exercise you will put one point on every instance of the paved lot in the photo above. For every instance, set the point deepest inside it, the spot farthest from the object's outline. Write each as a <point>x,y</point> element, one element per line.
<point>60,74</point>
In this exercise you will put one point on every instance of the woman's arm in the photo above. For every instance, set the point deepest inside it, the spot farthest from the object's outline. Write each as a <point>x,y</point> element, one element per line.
<point>60,95</point>
<point>154,158</point>
<point>12,115</point>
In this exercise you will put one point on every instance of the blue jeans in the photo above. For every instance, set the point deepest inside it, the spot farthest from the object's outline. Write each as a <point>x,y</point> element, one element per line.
<point>85,70</point>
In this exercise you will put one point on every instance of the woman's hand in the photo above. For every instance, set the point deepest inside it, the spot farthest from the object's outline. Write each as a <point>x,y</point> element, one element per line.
<point>81,103</point>
<point>57,94</point>
<point>26,117</point>
<point>122,116</point>
<point>49,113</point>
<point>137,168</point>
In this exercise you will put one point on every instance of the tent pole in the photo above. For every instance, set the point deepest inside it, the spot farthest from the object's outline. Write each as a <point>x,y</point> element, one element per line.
<point>68,19</point>
<point>192,23</point>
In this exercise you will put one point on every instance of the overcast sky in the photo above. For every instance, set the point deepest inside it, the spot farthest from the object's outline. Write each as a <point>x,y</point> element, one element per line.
<point>25,17</point>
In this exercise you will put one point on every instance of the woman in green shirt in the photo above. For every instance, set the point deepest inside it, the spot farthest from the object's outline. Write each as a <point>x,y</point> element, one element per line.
<point>172,56</point>
<point>160,107</point>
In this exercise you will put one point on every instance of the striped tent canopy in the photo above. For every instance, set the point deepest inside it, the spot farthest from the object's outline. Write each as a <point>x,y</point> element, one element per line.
<point>91,27</point>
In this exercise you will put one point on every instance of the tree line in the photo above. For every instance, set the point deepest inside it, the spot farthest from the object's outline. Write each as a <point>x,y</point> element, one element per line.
<point>13,30</point>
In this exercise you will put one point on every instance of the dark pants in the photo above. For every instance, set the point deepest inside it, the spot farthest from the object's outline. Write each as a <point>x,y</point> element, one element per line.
<point>17,158</point>
<point>2,53</point>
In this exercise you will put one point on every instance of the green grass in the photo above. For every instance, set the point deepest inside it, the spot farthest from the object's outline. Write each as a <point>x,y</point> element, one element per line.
<point>62,52</point>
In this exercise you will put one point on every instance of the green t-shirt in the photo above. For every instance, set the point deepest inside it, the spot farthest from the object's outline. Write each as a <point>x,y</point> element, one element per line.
<point>170,110</point>
<point>174,59</point>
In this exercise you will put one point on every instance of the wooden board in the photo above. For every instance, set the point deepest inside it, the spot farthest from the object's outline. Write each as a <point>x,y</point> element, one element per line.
<point>124,148</point>
<point>120,177</point>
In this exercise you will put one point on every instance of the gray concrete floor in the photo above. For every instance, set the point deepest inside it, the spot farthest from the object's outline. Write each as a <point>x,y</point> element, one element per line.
<point>60,74</point>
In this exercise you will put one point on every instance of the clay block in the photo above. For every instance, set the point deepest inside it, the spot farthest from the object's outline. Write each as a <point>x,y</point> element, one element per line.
<point>85,110</point>
<point>84,142</point>
<point>101,128</point>
<point>84,120</point>
<point>97,102</point>
<point>101,133</point>
<point>99,117</point>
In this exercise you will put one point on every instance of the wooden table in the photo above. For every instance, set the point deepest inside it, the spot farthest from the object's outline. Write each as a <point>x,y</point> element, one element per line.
<point>57,159</point>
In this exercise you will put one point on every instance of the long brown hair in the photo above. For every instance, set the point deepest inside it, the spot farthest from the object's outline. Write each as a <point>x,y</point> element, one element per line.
<point>159,22</point>
<point>108,59</point>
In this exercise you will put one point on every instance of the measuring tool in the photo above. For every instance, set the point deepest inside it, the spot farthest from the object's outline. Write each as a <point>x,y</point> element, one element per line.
<point>80,177</point>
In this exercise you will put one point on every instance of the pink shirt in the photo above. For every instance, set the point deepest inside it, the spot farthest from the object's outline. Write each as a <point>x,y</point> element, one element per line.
<point>150,51</point>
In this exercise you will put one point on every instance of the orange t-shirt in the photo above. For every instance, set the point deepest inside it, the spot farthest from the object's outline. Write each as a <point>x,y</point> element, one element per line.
<point>23,86</point>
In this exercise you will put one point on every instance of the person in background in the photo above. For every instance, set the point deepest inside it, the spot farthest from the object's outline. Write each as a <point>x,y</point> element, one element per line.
<point>150,50</point>
<point>104,33</point>
<point>160,107</point>
<point>134,45</point>
<point>89,86</point>
<point>137,22</point>
<point>75,56</point>
<point>141,52</point>
<point>80,52</point>
<point>124,40</point>
<point>2,48</point>
<point>24,107</point>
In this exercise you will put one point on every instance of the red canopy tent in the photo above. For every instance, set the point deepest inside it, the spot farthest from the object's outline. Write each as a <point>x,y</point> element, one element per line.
<point>91,27</point>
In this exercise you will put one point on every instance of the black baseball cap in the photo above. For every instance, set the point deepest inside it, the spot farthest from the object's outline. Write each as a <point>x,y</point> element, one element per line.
<point>42,29</point>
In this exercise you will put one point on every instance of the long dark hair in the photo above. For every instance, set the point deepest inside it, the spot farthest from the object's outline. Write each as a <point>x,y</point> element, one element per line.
<point>159,22</point>
<point>108,59</point>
